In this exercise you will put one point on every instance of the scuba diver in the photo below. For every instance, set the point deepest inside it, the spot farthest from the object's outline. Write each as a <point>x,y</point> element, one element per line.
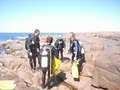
<point>47,54</point>
<point>32,46</point>
<point>59,46</point>
<point>77,50</point>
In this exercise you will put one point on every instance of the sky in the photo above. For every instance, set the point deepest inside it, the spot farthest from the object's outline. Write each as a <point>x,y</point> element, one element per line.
<point>59,15</point>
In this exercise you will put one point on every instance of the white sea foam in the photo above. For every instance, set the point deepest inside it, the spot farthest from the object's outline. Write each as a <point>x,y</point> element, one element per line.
<point>19,37</point>
<point>9,40</point>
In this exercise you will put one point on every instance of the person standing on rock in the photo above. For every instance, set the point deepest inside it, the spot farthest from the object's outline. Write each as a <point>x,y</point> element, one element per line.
<point>74,47</point>
<point>47,54</point>
<point>76,50</point>
<point>33,47</point>
<point>59,46</point>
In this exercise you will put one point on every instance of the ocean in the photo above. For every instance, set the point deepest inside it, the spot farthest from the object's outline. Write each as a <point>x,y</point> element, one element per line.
<point>16,36</point>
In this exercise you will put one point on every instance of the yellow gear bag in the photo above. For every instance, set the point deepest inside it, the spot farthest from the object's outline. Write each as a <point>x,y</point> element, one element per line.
<point>56,63</point>
<point>7,84</point>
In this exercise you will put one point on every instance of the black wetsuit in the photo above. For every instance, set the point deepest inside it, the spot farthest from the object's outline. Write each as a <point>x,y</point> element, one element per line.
<point>74,49</point>
<point>59,45</point>
<point>32,44</point>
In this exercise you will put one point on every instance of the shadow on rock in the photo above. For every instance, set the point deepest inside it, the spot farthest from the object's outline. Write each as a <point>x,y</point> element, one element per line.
<point>66,59</point>
<point>59,78</point>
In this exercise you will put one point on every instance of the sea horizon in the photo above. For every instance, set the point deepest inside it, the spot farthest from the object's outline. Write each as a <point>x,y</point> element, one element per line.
<point>19,35</point>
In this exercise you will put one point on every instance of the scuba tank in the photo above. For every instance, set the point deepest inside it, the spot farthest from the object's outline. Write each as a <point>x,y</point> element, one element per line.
<point>82,51</point>
<point>44,58</point>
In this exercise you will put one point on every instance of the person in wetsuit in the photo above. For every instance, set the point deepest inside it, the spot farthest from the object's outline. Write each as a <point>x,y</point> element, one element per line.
<point>33,48</point>
<point>47,54</point>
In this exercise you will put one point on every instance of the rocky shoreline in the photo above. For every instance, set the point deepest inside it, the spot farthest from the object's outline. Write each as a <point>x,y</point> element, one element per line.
<point>101,70</point>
